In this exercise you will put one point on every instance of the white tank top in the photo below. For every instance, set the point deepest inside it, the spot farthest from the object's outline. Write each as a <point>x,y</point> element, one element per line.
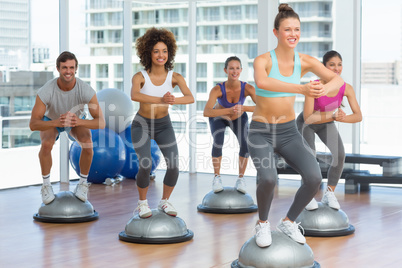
<point>157,91</point>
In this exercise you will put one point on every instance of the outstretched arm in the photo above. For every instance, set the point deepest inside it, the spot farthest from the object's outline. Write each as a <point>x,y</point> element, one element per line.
<point>310,64</point>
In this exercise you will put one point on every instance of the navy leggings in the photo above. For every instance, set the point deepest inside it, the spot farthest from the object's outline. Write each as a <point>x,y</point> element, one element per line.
<point>239,127</point>
<point>329,135</point>
<point>161,130</point>
<point>264,140</point>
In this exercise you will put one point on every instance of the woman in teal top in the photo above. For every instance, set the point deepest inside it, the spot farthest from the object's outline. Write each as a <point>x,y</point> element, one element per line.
<point>273,129</point>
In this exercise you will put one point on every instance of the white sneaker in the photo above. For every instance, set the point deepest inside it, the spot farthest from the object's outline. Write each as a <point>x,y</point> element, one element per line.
<point>313,205</point>
<point>292,230</point>
<point>81,191</point>
<point>167,207</point>
<point>241,185</point>
<point>47,194</point>
<point>329,199</point>
<point>263,234</point>
<point>143,210</point>
<point>217,184</point>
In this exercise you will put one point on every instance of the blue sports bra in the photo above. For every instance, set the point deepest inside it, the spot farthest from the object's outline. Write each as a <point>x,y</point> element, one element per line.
<point>223,101</point>
<point>274,73</point>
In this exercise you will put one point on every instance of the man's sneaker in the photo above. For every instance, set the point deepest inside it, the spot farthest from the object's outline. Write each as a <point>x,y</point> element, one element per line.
<point>313,205</point>
<point>167,207</point>
<point>329,199</point>
<point>217,184</point>
<point>81,191</point>
<point>143,209</point>
<point>291,229</point>
<point>47,194</point>
<point>263,234</point>
<point>241,185</point>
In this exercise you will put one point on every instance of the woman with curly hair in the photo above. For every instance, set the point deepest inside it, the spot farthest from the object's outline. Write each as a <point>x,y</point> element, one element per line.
<point>152,88</point>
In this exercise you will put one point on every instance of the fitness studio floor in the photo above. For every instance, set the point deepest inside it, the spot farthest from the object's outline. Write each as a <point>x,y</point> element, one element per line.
<point>376,215</point>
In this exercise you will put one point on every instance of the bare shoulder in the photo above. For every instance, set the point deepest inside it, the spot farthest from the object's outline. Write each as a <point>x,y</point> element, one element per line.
<point>349,89</point>
<point>138,76</point>
<point>264,59</point>
<point>177,76</point>
<point>307,59</point>
<point>249,89</point>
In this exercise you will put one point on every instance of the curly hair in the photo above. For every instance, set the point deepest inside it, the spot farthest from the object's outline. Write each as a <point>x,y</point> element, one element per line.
<point>146,43</point>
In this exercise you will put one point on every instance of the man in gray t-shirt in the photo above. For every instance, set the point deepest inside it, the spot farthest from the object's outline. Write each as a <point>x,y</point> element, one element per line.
<point>59,107</point>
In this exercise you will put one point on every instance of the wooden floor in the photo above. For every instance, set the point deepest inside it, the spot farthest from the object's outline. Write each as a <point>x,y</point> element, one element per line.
<point>377,217</point>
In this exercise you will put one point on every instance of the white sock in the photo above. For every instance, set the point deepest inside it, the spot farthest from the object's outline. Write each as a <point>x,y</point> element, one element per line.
<point>142,201</point>
<point>83,178</point>
<point>46,179</point>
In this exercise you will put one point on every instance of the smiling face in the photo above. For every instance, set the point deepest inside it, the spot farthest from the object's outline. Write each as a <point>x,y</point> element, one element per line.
<point>233,70</point>
<point>288,33</point>
<point>159,54</point>
<point>335,65</point>
<point>67,71</point>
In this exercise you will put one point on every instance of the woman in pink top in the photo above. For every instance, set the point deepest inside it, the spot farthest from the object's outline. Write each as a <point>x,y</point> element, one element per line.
<point>318,118</point>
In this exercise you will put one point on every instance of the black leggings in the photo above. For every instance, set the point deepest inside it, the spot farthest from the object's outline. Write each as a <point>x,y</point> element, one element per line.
<point>239,126</point>
<point>161,130</point>
<point>264,140</point>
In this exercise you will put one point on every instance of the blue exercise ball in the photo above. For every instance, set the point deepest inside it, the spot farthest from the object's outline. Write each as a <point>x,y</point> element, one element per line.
<point>108,159</point>
<point>117,108</point>
<point>130,168</point>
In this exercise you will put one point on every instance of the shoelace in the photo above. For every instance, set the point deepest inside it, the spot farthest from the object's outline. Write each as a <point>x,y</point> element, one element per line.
<point>297,227</point>
<point>167,204</point>
<point>141,205</point>
<point>263,228</point>
<point>217,179</point>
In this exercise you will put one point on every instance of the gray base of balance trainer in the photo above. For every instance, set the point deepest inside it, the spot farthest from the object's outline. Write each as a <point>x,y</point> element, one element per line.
<point>160,228</point>
<point>227,201</point>
<point>283,252</point>
<point>66,208</point>
<point>325,221</point>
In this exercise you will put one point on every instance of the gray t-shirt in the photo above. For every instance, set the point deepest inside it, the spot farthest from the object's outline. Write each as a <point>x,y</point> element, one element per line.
<point>60,102</point>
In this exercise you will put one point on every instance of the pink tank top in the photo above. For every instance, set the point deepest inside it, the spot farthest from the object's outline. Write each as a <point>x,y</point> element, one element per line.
<point>327,104</point>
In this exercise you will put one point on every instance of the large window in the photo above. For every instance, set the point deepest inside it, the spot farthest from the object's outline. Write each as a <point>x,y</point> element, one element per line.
<point>381,127</point>
<point>22,72</point>
<point>224,28</point>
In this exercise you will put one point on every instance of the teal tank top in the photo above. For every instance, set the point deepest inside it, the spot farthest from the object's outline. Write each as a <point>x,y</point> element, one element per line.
<point>274,73</point>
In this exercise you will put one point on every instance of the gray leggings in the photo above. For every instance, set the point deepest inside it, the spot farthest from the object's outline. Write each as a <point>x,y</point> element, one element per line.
<point>161,130</point>
<point>329,135</point>
<point>264,140</point>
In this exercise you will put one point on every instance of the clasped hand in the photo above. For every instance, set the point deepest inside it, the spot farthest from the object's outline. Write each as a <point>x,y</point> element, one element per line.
<point>237,109</point>
<point>168,98</point>
<point>68,119</point>
<point>339,115</point>
<point>314,89</point>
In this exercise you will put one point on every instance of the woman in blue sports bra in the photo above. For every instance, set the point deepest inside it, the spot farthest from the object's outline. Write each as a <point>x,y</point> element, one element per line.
<point>229,112</point>
<point>273,129</point>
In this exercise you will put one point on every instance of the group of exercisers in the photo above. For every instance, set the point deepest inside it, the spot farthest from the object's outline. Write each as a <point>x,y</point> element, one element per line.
<point>273,128</point>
